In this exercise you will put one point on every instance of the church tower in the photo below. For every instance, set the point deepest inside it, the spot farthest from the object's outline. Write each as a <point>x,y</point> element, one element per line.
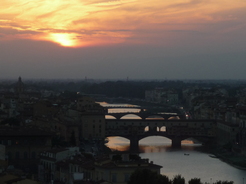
<point>19,88</point>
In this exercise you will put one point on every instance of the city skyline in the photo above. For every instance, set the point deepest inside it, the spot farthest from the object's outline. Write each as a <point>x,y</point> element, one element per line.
<point>181,39</point>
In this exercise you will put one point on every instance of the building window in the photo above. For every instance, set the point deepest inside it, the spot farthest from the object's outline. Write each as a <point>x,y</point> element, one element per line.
<point>17,155</point>
<point>127,177</point>
<point>114,177</point>
<point>25,155</point>
<point>5,142</point>
<point>9,142</point>
<point>34,154</point>
<point>9,155</point>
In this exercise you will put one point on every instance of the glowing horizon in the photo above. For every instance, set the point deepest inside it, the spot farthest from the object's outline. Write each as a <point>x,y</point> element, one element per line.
<point>96,22</point>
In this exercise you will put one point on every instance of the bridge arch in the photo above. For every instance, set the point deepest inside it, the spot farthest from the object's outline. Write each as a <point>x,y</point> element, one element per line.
<point>151,129</point>
<point>130,116</point>
<point>109,117</point>
<point>174,118</point>
<point>191,140</point>
<point>118,137</point>
<point>120,143</point>
<point>146,129</point>
<point>163,129</point>
<point>162,139</point>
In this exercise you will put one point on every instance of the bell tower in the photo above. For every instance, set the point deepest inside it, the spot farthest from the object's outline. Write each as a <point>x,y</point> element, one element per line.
<point>19,86</point>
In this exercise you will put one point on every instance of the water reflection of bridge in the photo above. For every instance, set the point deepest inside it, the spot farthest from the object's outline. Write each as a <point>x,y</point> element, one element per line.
<point>176,130</point>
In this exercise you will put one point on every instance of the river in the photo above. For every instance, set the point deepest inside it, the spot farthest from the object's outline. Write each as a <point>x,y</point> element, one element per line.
<point>188,161</point>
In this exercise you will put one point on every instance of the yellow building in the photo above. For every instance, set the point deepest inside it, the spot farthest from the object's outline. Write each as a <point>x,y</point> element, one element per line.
<point>92,118</point>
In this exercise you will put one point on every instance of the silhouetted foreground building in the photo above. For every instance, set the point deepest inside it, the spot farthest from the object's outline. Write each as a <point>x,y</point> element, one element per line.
<point>23,146</point>
<point>70,166</point>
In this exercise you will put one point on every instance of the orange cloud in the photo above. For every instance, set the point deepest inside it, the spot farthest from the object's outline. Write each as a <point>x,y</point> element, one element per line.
<point>77,23</point>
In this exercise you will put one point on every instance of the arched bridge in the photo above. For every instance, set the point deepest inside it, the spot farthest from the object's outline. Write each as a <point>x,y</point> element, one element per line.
<point>142,112</point>
<point>123,106</point>
<point>176,130</point>
<point>145,115</point>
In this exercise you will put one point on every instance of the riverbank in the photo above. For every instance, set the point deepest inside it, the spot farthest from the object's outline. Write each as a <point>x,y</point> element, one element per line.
<point>235,160</point>
<point>232,158</point>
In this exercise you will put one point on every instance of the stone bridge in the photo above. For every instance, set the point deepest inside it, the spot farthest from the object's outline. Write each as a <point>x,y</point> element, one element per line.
<point>143,112</point>
<point>145,115</point>
<point>176,130</point>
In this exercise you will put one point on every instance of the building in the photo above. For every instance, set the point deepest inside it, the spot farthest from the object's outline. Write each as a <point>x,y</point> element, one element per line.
<point>119,171</point>
<point>19,86</point>
<point>103,168</point>
<point>49,158</point>
<point>92,117</point>
<point>227,133</point>
<point>67,131</point>
<point>163,96</point>
<point>15,179</point>
<point>74,168</point>
<point>45,108</point>
<point>3,160</point>
<point>23,145</point>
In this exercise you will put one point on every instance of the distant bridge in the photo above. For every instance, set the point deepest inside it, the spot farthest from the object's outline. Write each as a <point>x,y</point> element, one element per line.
<point>144,115</point>
<point>122,106</point>
<point>176,130</point>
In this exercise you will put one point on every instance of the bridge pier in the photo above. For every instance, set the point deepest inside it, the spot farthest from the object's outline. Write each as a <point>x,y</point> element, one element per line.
<point>176,142</point>
<point>134,144</point>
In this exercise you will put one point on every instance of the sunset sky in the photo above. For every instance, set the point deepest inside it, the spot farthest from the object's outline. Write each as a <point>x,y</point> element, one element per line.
<point>147,39</point>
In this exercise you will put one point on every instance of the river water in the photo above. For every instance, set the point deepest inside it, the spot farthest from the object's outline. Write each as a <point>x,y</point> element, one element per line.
<point>188,161</point>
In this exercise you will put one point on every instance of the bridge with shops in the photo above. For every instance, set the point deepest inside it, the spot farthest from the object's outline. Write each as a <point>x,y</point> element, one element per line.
<point>176,130</point>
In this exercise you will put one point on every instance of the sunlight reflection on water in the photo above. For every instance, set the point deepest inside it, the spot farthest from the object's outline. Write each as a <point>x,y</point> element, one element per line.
<point>187,161</point>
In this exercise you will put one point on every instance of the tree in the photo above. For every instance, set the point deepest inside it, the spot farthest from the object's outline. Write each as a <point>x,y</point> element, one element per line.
<point>146,176</point>
<point>134,157</point>
<point>195,181</point>
<point>224,182</point>
<point>178,180</point>
<point>117,158</point>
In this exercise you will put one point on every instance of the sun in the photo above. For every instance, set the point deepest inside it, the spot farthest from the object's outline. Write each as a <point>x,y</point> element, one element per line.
<point>64,39</point>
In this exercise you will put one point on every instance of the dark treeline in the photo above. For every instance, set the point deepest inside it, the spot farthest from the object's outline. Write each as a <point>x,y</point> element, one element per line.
<point>146,176</point>
<point>136,89</point>
<point>123,88</point>
<point>120,88</point>
<point>127,89</point>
